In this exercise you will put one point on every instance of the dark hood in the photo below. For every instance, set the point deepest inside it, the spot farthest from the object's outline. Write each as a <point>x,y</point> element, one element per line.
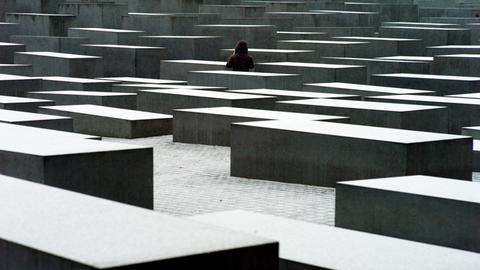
<point>241,47</point>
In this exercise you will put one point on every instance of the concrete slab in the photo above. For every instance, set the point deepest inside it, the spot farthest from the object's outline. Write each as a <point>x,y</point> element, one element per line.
<point>178,69</point>
<point>163,23</point>
<point>381,114</point>
<point>113,122</point>
<point>274,55</point>
<point>165,101</point>
<point>142,80</point>
<point>7,51</point>
<point>316,73</point>
<point>303,245</point>
<point>453,49</point>
<point>363,90</point>
<point>108,14</point>
<point>211,126</point>
<point>390,46</point>
<point>245,80</point>
<point>315,152</point>
<point>98,35</point>
<point>282,95</point>
<point>126,60</point>
<point>119,172</point>
<point>330,48</point>
<point>441,84</point>
<point>16,69</point>
<point>59,83</point>
<point>257,36</point>
<point>75,97</point>
<point>164,241</point>
<point>51,43</point>
<point>13,85</point>
<point>457,64</point>
<point>44,133</point>
<point>462,112</point>
<point>23,104</point>
<point>186,47</point>
<point>36,120</point>
<point>41,24</point>
<point>61,64</point>
<point>434,210</point>
<point>134,88</point>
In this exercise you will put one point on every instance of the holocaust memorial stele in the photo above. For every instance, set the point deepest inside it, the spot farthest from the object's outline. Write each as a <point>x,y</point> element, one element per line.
<point>240,134</point>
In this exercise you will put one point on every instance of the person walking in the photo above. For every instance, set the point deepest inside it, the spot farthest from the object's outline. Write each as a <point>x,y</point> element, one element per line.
<point>240,60</point>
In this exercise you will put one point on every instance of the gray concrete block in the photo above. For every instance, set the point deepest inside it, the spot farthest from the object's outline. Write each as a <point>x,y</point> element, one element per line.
<point>363,90</point>
<point>44,133</point>
<point>61,64</point>
<point>134,88</point>
<point>289,35</point>
<point>257,36</point>
<point>23,104</point>
<point>125,60</point>
<point>381,114</point>
<point>58,83</point>
<point>245,80</point>
<point>137,80</point>
<point>106,35</point>
<point>162,23</point>
<point>303,245</point>
<point>40,24</point>
<point>474,132</point>
<point>178,69</point>
<point>164,242</point>
<point>442,84</point>
<point>186,47</point>
<point>165,101</point>
<point>16,69</point>
<point>13,85</point>
<point>274,55</point>
<point>322,153</point>
<point>75,97</point>
<point>230,11</point>
<point>282,95</point>
<point>462,112</point>
<point>211,126</point>
<point>380,66</point>
<point>36,120</point>
<point>453,49</point>
<point>390,46</point>
<point>287,21</point>
<point>38,6</point>
<point>50,44</point>
<point>431,36</point>
<point>113,122</point>
<point>118,172</point>
<point>317,73</point>
<point>341,31</point>
<point>433,210</point>
<point>457,64</point>
<point>7,29</point>
<point>95,13</point>
<point>330,48</point>
<point>7,51</point>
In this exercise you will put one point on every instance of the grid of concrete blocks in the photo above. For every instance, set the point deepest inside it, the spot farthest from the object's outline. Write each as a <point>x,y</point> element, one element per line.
<point>126,143</point>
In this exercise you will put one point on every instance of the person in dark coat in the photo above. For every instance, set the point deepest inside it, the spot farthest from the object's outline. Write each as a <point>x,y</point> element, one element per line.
<point>240,60</point>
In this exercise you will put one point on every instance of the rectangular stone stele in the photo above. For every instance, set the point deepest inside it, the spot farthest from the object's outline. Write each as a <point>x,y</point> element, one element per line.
<point>74,97</point>
<point>36,120</point>
<point>114,171</point>
<point>303,245</point>
<point>293,95</point>
<point>211,126</point>
<point>381,114</point>
<point>165,101</point>
<point>23,104</point>
<point>13,85</point>
<point>322,153</point>
<point>113,122</point>
<point>43,132</point>
<point>52,228</point>
<point>462,111</point>
<point>433,210</point>
<point>135,80</point>
<point>361,89</point>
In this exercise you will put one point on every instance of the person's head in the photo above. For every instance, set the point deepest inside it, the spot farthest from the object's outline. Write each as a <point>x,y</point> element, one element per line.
<point>241,47</point>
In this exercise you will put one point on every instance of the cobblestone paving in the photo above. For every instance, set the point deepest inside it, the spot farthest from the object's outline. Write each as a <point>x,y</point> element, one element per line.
<point>195,179</point>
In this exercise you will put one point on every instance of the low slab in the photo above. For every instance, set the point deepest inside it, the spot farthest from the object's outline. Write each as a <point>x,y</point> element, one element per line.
<point>73,97</point>
<point>315,152</point>
<point>113,122</point>
<point>362,90</point>
<point>434,210</point>
<point>282,95</point>
<point>165,101</point>
<point>154,240</point>
<point>23,104</point>
<point>211,126</point>
<point>36,120</point>
<point>303,245</point>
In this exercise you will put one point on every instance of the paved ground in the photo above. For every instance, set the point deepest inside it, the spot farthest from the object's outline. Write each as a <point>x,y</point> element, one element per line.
<point>195,179</point>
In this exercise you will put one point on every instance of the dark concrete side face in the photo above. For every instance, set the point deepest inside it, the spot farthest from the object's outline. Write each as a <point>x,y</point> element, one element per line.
<point>424,219</point>
<point>123,176</point>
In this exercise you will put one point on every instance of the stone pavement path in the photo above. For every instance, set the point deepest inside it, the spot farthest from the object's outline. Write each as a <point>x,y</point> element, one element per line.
<point>195,179</point>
